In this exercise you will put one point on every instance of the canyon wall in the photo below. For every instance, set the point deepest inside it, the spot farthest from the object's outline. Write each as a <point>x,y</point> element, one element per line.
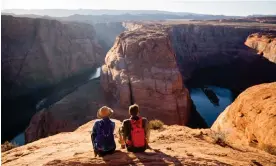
<point>216,55</point>
<point>39,52</point>
<point>141,68</point>
<point>201,46</point>
<point>264,44</point>
<point>251,118</point>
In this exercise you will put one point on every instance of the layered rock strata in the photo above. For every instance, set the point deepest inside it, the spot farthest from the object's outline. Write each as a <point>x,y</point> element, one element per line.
<point>141,68</point>
<point>39,52</point>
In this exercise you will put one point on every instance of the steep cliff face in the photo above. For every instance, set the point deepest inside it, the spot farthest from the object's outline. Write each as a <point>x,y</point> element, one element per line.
<point>173,145</point>
<point>141,68</point>
<point>39,52</point>
<point>251,118</point>
<point>201,46</point>
<point>264,44</point>
<point>36,54</point>
<point>217,55</point>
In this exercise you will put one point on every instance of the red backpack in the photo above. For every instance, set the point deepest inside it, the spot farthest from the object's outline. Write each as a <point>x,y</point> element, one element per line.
<point>137,133</point>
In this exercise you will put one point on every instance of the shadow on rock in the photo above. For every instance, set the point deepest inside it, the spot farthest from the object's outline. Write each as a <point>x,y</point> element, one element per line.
<point>154,157</point>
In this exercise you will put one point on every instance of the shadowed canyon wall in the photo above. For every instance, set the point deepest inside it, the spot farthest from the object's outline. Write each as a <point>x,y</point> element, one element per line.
<point>37,54</point>
<point>217,55</point>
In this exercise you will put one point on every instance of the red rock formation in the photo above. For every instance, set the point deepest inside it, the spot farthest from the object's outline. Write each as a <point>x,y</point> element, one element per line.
<point>251,118</point>
<point>141,66</point>
<point>174,145</point>
<point>264,44</point>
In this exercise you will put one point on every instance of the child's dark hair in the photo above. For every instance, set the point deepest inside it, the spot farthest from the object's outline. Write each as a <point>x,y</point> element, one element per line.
<point>133,110</point>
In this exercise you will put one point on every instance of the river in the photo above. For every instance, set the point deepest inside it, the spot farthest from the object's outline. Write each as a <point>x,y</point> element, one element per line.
<point>208,110</point>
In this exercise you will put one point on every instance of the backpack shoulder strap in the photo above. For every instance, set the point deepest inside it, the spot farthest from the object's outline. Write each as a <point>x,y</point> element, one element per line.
<point>138,122</point>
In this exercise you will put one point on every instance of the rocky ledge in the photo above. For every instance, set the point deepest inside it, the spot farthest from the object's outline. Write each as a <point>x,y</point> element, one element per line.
<point>172,145</point>
<point>264,44</point>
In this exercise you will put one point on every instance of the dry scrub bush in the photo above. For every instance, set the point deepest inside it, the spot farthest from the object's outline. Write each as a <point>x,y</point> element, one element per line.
<point>156,124</point>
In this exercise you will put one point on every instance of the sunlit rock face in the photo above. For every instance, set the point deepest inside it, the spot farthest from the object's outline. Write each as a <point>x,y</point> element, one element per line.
<point>141,68</point>
<point>264,44</point>
<point>251,118</point>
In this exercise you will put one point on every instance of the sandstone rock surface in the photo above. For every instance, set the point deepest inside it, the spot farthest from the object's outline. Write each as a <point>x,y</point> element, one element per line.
<point>173,145</point>
<point>251,118</point>
<point>264,44</point>
<point>141,68</point>
<point>40,52</point>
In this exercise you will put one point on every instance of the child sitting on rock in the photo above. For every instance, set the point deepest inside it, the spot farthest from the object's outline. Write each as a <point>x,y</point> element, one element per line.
<point>134,133</point>
<point>103,133</point>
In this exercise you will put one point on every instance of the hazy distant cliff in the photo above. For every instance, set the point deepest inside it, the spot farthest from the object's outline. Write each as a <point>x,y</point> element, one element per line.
<point>37,52</point>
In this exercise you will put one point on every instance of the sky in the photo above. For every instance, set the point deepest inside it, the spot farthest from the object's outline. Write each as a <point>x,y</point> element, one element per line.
<point>225,7</point>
